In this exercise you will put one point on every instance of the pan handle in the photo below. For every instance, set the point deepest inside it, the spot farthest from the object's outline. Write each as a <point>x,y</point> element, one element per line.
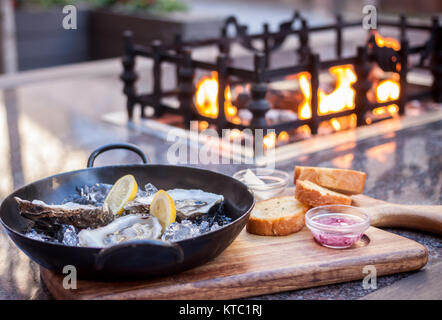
<point>133,257</point>
<point>107,147</point>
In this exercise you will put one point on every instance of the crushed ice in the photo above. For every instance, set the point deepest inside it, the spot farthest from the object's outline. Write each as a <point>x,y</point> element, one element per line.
<point>96,194</point>
<point>69,234</point>
<point>90,194</point>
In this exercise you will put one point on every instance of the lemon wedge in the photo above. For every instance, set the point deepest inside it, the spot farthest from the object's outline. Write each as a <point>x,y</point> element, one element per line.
<point>163,208</point>
<point>123,191</point>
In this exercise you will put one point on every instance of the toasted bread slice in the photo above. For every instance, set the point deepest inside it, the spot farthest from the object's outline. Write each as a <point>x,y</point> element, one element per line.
<point>340,180</point>
<point>277,217</point>
<point>313,195</point>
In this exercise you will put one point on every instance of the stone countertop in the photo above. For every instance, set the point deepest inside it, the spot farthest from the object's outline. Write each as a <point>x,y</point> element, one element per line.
<point>51,125</point>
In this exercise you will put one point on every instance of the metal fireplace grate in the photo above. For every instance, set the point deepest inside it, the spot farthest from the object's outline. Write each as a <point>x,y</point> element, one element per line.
<point>428,56</point>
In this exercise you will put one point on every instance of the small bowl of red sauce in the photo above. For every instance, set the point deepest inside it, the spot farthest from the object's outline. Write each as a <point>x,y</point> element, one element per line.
<point>337,226</point>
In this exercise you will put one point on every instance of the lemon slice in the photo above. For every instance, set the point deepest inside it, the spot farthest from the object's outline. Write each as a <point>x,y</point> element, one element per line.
<point>123,191</point>
<point>163,208</point>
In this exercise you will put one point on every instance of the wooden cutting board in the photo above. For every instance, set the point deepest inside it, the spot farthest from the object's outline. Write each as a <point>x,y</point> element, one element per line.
<point>255,265</point>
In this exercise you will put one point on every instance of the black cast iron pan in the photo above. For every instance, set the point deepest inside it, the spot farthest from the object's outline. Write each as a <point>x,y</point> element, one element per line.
<point>135,259</point>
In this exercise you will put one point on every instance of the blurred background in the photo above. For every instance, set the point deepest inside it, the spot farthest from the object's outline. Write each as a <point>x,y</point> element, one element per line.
<point>33,37</point>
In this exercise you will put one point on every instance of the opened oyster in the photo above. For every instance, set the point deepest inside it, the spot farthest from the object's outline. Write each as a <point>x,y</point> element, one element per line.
<point>52,216</point>
<point>139,205</point>
<point>129,227</point>
<point>191,202</point>
<point>188,202</point>
<point>81,219</point>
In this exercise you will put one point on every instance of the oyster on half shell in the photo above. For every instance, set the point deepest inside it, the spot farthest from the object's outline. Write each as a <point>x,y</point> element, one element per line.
<point>52,216</point>
<point>126,228</point>
<point>188,202</point>
<point>140,205</point>
<point>191,202</point>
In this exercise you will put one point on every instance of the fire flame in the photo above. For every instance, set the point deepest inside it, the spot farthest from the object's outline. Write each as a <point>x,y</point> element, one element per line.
<point>269,140</point>
<point>283,137</point>
<point>387,90</point>
<point>386,42</point>
<point>206,98</point>
<point>342,98</point>
<point>305,111</point>
<point>336,124</point>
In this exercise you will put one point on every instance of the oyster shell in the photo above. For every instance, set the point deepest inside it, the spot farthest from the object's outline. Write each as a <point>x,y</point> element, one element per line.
<point>53,216</point>
<point>129,227</point>
<point>191,202</point>
<point>188,202</point>
<point>139,205</point>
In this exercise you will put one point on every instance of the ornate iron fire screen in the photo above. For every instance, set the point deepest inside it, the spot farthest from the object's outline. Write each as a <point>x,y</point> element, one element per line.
<point>395,59</point>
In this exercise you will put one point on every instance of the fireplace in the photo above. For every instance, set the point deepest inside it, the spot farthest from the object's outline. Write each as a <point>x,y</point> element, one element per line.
<point>363,88</point>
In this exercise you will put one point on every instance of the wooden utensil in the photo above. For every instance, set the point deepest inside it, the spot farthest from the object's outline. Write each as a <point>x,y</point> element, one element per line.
<point>385,214</point>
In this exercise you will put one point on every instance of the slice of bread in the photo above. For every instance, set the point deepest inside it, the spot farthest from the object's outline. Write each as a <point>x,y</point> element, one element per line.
<point>340,180</point>
<point>277,217</point>
<point>310,193</point>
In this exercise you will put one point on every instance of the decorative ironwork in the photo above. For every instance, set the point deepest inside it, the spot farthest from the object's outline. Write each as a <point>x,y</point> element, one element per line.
<point>178,53</point>
<point>129,76</point>
<point>387,58</point>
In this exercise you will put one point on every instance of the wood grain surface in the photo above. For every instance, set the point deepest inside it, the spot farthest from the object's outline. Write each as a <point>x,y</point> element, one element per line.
<point>255,265</point>
<point>386,214</point>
